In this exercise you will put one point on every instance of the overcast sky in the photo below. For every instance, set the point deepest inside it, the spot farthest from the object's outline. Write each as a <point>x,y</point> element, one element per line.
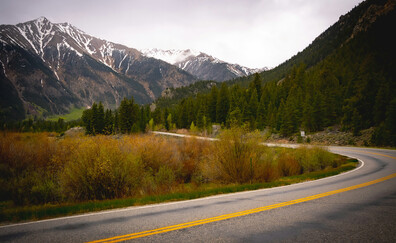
<point>253,33</point>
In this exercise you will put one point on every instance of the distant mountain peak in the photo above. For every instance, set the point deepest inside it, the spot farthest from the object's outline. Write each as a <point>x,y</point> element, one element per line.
<point>200,64</point>
<point>171,56</point>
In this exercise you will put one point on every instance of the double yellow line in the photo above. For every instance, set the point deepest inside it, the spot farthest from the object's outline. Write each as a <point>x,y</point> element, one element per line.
<point>237,214</point>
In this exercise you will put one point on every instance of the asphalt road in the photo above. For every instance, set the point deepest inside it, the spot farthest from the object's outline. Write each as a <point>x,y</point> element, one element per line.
<point>296,213</point>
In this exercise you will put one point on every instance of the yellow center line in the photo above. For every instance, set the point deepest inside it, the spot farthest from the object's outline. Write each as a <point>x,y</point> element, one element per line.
<point>238,214</point>
<point>366,152</point>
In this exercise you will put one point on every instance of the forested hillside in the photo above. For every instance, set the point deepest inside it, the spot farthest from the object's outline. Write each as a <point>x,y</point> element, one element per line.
<point>351,85</point>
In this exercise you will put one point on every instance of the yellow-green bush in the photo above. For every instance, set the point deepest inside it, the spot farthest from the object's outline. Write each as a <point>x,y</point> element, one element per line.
<point>314,158</point>
<point>98,169</point>
<point>237,157</point>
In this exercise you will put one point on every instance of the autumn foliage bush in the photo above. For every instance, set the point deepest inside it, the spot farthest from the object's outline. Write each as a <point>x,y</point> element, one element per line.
<point>26,168</point>
<point>238,157</point>
<point>98,168</point>
<point>37,168</point>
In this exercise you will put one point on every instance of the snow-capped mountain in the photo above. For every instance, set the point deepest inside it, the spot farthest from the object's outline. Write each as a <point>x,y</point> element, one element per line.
<point>201,65</point>
<point>170,56</point>
<point>48,68</point>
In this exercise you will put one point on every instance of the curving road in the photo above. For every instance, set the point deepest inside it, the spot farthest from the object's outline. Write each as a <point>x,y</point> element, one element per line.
<point>359,205</point>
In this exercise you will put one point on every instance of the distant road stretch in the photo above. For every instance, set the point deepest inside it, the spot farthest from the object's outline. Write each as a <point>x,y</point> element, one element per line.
<point>359,205</point>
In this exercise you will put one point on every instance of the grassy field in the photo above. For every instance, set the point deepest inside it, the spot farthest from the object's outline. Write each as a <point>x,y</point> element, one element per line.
<point>74,114</point>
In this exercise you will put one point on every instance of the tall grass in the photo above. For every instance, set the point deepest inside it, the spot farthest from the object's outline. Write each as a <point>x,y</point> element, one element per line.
<point>40,168</point>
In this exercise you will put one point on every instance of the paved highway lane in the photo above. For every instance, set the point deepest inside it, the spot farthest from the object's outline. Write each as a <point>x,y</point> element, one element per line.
<point>339,208</point>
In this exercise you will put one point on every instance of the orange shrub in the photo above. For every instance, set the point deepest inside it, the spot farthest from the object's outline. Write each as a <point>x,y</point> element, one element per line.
<point>288,165</point>
<point>191,153</point>
<point>25,160</point>
<point>99,169</point>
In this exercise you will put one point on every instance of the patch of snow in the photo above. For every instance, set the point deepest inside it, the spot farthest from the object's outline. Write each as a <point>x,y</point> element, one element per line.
<point>232,69</point>
<point>2,64</point>
<point>185,65</point>
<point>126,71</point>
<point>57,47</point>
<point>87,46</point>
<point>71,48</point>
<point>246,71</point>
<point>14,41</point>
<point>119,65</point>
<point>170,56</point>
<point>216,60</point>
<point>56,74</point>
<point>106,52</point>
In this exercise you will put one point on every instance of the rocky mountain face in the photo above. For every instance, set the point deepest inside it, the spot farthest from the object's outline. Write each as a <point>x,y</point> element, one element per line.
<point>48,68</point>
<point>201,65</point>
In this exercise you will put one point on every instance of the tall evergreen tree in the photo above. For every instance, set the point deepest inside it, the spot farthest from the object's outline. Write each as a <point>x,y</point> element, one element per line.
<point>95,118</point>
<point>109,121</point>
<point>256,84</point>
<point>128,115</point>
<point>212,106</point>
<point>100,119</point>
<point>87,121</point>
<point>252,109</point>
<point>262,112</point>
<point>116,122</point>
<point>223,104</point>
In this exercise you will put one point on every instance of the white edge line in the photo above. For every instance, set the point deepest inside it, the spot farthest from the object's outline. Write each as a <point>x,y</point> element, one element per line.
<point>183,201</point>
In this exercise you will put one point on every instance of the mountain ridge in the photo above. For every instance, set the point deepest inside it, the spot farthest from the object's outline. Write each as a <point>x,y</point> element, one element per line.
<point>201,65</point>
<point>51,68</point>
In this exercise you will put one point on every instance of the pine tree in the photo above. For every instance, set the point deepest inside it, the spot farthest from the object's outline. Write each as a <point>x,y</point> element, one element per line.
<point>116,122</point>
<point>212,106</point>
<point>223,104</point>
<point>256,84</point>
<point>253,105</point>
<point>87,121</point>
<point>128,116</point>
<point>235,117</point>
<point>200,117</point>
<point>262,112</point>
<point>183,115</point>
<point>100,119</point>
<point>109,121</point>
<point>166,115</point>
<point>123,114</point>
<point>94,119</point>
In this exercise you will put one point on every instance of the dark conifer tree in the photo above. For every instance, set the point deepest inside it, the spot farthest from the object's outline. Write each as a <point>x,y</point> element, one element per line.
<point>212,106</point>
<point>223,104</point>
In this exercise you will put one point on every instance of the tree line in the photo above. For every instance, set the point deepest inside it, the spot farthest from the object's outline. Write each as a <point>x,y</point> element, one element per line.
<point>39,125</point>
<point>128,118</point>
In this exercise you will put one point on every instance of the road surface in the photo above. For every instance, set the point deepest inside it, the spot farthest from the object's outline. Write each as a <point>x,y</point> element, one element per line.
<point>359,205</point>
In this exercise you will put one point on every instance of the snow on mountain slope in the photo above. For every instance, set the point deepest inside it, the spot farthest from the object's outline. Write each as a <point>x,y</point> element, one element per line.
<point>170,56</point>
<point>200,64</point>
<point>47,64</point>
